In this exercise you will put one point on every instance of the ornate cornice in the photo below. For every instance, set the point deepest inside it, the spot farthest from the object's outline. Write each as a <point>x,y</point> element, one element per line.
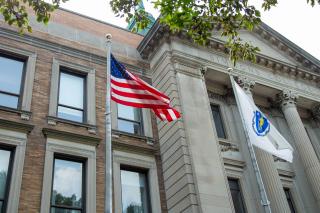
<point>16,126</point>
<point>287,98</point>
<point>309,69</point>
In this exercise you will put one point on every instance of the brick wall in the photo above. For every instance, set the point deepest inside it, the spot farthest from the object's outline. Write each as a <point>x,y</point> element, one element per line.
<point>31,188</point>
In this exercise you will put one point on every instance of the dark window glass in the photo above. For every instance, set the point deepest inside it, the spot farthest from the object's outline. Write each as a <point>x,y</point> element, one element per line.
<point>134,192</point>
<point>236,195</point>
<point>11,72</point>
<point>71,97</point>
<point>129,119</point>
<point>218,121</point>
<point>67,187</point>
<point>289,199</point>
<point>5,170</point>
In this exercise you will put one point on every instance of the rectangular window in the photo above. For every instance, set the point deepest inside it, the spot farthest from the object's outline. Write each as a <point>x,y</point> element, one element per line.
<point>216,114</point>
<point>129,119</point>
<point>236,195</point>
<point>68,186</point>
<point>134,191</point>
<point>11,76</point>
<point>71,97</point>
<point>6,156</point>
<point>289,199</point>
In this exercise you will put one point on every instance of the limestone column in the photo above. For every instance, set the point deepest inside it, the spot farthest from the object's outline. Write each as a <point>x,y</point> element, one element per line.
<point>268,168</point>
<point>303,144</point>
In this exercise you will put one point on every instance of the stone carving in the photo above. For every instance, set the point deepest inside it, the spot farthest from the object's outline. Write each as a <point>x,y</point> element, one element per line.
<point>225,146</point>
<point>246,83</point>
<point>316,112</point>
<point>287,98</point>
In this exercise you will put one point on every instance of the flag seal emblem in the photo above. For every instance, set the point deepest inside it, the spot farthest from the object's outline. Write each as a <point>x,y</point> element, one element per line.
<point>260,124</point>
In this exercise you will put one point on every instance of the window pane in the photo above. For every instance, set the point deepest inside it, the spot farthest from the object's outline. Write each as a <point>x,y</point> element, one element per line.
<point>218,121</point>
<point>67,183</point>
<point>134,192</point>
<point>128,126</point>
<point>8,100</point>
<point>290,200</point>
<point>129,113</point>
<point>71,90</point>
<point>58,210</point>
<point>236,196</point>
<point>10,75</point>
<point>4,167</point>
<point>70,114</point>
<point>1,204</point>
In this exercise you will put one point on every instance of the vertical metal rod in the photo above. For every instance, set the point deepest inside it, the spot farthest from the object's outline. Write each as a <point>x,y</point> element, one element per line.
<point>108,143</point>
<point>264,198</point>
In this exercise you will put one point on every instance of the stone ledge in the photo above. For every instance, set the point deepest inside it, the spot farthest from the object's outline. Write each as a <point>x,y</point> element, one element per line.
<point>25,115</point>
<point>70,136</point>
<point>92,129</point>
<point>14,125</point>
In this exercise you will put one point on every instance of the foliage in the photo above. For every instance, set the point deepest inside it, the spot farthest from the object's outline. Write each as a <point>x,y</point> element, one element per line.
<point>198,18</point>
<point>15,12</point>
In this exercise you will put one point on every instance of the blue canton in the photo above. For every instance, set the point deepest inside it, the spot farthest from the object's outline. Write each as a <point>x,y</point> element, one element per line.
<point>118,70</point>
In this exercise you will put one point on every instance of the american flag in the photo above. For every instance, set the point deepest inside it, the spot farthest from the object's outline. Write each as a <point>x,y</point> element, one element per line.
<point>130,90</point>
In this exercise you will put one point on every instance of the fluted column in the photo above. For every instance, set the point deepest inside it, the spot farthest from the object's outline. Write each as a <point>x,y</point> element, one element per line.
<point>267,167</point>
<point>303,144</point>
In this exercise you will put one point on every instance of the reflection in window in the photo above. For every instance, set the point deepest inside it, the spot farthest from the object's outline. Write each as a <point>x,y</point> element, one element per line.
<point>67,187</point>
<point>5,158</point>
<point>134,192</point>
<point>236,195</point>
<point>218,121</point>
<point>71,97</point>
<point>11,71</point>
<point>290,200</point>
<point>129,119</point>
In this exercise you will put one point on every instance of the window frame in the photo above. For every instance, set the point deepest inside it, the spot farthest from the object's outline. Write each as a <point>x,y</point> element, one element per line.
<point>222,120</point>
<point>10,170</point>
<point>287,189</point>
<point>78,150</point>
<point>90,106</point>
<point>140,122</point>
<point>240,191</point>
<point>140,170</point>
<point>84,110</point>
<point>77,159</point>
<point>134,160</point>
<point>24,60</point>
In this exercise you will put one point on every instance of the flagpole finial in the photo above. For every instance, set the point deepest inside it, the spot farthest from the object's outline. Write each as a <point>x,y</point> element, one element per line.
<point>108,37</point>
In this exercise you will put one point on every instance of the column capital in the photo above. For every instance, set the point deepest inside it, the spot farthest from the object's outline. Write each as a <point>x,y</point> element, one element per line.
<point>246,83</point>
<point>316,111</point>
<point>287,98</point>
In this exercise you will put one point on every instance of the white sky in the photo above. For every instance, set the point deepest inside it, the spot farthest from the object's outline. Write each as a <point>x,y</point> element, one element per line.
<point>296,20</point>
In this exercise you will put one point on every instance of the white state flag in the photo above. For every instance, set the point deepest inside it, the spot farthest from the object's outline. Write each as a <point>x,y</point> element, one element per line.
<point>261,132</point>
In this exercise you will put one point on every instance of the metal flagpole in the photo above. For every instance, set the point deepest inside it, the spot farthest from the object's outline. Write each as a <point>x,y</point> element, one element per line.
<point>264,198</point>
<point>108,143</point>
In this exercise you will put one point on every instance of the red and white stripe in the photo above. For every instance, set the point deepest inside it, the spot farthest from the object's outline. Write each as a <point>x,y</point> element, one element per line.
<point>138,93</point>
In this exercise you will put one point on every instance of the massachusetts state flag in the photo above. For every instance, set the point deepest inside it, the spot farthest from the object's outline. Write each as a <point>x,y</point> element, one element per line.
<point>261,132</point>
<point>130,90</point>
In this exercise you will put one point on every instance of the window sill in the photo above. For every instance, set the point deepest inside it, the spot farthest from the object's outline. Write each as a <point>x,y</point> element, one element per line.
<point>25,115</point>
<point>117,133</point>
<point>228,146</point>
<point>92,129</point>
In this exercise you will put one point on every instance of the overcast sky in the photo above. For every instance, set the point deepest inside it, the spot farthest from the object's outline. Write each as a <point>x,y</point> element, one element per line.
<point>296,20</point>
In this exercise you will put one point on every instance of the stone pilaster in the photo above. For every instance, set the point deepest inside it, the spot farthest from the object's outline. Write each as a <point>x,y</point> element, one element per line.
<point>303,144</point>
<point>267,166</point>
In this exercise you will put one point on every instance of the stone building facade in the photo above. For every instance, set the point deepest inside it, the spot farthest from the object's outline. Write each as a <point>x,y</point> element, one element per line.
<point>52,97</point>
